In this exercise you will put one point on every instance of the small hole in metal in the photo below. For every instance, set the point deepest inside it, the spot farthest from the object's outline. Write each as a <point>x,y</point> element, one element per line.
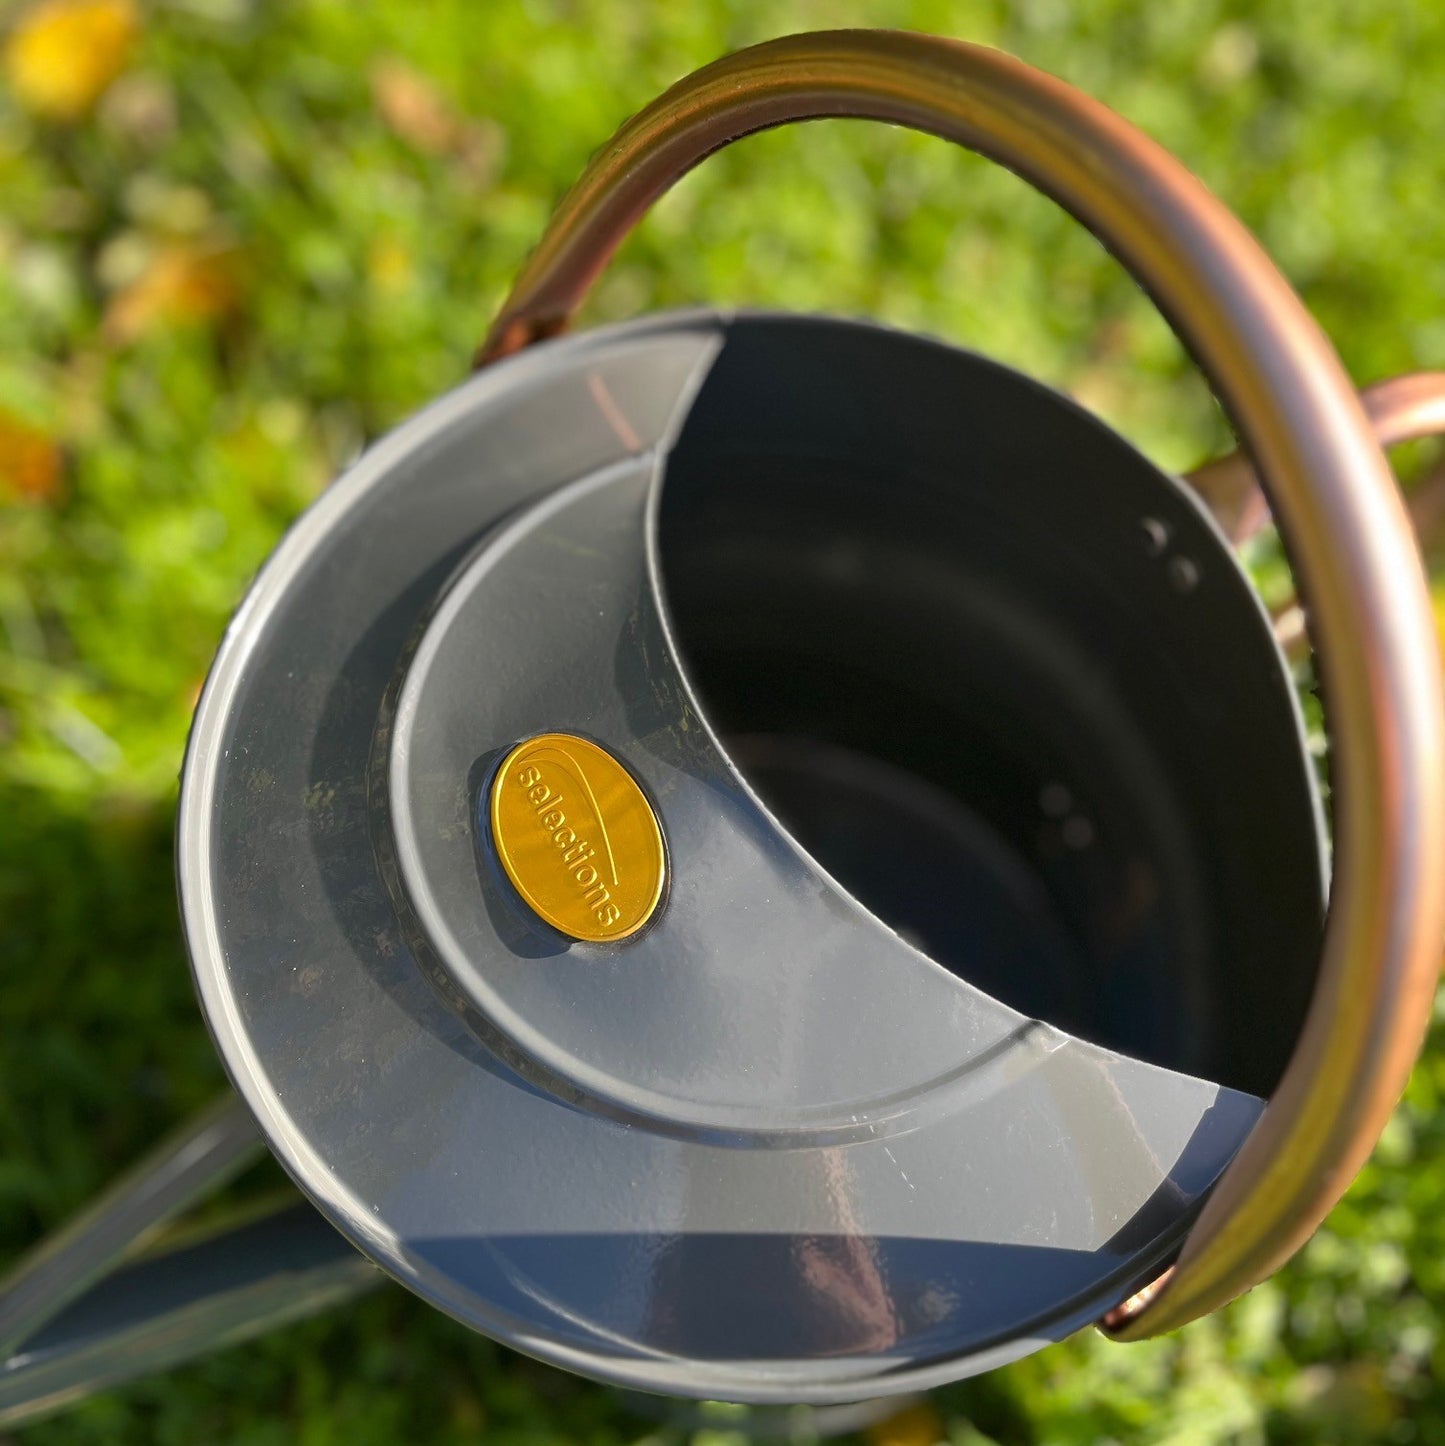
<point>1183,574</point>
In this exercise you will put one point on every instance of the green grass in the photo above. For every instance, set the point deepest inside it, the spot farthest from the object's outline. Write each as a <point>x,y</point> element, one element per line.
<point>330,270</point>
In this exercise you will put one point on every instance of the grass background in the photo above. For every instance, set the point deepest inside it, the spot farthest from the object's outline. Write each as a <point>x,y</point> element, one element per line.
<point>256,235</point>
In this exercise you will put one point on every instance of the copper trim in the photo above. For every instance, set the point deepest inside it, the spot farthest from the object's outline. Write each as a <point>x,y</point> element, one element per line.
<point>1328,481</point>
<point>1401,409</point>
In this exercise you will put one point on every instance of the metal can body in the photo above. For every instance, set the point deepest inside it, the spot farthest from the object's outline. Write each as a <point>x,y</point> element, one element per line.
<point>969,743</point>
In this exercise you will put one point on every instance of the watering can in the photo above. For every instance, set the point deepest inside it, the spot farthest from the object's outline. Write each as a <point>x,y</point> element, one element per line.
<point>763,857</point>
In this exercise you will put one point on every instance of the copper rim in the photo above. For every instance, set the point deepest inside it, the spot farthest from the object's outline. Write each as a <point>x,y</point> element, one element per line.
<point>1331,490</point>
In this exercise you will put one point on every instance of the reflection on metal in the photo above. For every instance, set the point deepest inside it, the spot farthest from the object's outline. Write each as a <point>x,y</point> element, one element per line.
<point>237,1279</point>
<point>577,837</point>
<point>208,1150</point>
<point>1329,485</point>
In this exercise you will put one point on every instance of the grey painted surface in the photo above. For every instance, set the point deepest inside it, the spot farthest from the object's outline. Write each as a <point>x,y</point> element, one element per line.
<point>235,1280</point>
<point>767,1150</point>
<point>204,1153</point>
<point>764,1000</point>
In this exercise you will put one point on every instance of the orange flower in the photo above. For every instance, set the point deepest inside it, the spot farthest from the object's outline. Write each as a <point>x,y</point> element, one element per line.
<point>182,284</point>
<point>64,53</point>
<point>413,108</point>
<point>917,1425</point>
<point>30,463</point>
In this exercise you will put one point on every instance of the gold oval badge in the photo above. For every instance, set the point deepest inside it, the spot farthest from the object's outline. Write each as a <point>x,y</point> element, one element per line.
<point>577,837</point>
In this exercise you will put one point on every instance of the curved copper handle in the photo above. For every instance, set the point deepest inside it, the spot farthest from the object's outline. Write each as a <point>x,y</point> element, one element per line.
<point>1331,490</point>
<point>1401,409</point>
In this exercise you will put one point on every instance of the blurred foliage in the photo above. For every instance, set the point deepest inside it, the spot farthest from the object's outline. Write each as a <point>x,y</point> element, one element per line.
<point>240,239</point>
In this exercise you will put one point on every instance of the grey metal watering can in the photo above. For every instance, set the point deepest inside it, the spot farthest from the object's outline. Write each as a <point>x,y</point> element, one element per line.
<point>762,857</point>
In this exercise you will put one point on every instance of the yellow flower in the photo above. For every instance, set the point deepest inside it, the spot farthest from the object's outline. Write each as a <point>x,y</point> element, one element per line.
<point>64,53</point>
<point>389,265</point>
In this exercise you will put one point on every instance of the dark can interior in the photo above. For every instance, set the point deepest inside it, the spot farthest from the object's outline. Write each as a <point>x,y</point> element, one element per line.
<point>998,675</point>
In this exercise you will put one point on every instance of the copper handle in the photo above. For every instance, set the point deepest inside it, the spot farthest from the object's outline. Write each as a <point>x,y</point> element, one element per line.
<point>1325,475</point>
<point>1401,409</point>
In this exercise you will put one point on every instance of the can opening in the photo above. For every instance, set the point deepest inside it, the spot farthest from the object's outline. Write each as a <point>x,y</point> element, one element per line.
<point>1002,680</point>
